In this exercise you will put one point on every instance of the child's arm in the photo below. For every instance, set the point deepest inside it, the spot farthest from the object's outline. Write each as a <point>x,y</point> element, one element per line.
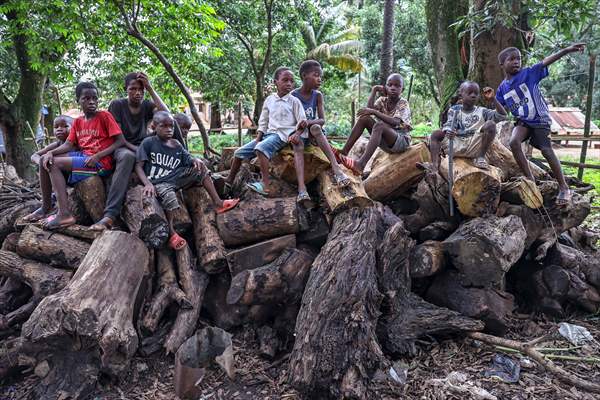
<point>148,186</point>
<point>320,112</point>
<point>490,98</point>
<point>373,96</point>
<point>94,159</point>
<point>47,159</point>
<point>160,105</point>
<point>557,56</point>
<point>385,118</point>
<point>35,157</point>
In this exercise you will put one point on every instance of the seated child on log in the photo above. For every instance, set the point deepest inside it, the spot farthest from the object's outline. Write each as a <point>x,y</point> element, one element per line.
<point>519,92</point>
<point>185,124</point>
<point>86,152</point>
<point>472,127</point>
<point>62,126</point>
<point>390,132</point>
<point>282,115</point>
<point>312,101</point>
<point>164,167</point>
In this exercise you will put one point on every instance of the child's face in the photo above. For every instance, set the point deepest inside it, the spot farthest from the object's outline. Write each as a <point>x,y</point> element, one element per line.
<point>394,87</point>
<point>512,63</point>
<point>284,83</point>
<point>61,129</point>
<point>469,93</point>
<point>312,79</point>
<point>185,127</point>
<point>135,92</point>
<point>164,128</point>
<point>88,101</point>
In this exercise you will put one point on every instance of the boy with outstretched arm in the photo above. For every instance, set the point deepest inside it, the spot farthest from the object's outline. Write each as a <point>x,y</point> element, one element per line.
<point>472,127</point>
<point>282,115</point>
<point>520,93</point>
<point>390,132</point>
<point>62,126</point>
<point>164,167</point>
<point>312,101</point>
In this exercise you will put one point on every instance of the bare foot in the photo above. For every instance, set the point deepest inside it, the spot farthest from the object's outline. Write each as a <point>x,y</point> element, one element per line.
<point>36,215</point>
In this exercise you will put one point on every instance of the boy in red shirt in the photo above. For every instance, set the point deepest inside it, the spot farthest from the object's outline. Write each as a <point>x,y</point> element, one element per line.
<point>87,152</point>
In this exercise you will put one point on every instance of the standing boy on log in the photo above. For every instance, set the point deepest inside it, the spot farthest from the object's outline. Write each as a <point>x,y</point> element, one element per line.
<point>472,127</point>
<point>282,116</point>
<point>164,167</point>
<point>390,132</point>
<point>87,151</point>
<point>520,93</point>
<point>312,101</point>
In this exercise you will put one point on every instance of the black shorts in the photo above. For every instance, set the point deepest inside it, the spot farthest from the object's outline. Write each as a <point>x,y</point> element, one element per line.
<point>538,136</point>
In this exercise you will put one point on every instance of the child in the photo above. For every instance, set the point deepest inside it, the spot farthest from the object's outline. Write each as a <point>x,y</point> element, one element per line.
<point>520,93</point>
<point>185,124</point>
<point>95,135</point>
<point>472,127</point>
<point>282,115</point>
<point>62,126</point>
<point>312,101</point>
<point>390,133</point>
<point>164,167</point>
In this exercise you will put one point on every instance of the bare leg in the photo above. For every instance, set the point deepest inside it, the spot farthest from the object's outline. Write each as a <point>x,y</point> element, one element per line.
<point>46,187</point>
<point>357,130</point>
<point>235,167</point>
<point>317,133</point>
<point>299,164</point>
<point>554,163</point>
<point>169,214</point>
<point>381,131</point>
<point>519,135</point>
<point>60,188</point>
<point>263,163</point>
<point>212,192</point>
<point>435,144</point>
<point>489,133</point>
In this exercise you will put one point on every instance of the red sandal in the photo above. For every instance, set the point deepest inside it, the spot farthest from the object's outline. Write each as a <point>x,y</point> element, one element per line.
<point>228,205</point>
<point>176,242</point>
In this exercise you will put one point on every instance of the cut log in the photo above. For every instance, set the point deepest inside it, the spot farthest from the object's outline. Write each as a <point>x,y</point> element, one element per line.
<point>340,198</point>
<point>10,242</point>
<point>358,150</point>
<point>317,231</point>
<point>207,241</point>
<point>13,294</point>
<point>41,278</point>
<point>315,162</point>
<point>439,231</point>
<point>522,191</point>
<point>92,193</point>
<point>145,218</point>
<point>484,249</point>
<point>576,261</point>
<point>182,221</point>
<point>9,217</point>
<point>394,174</point>
<point>59,250</point>
<point>226,158</point>
<point>223,315</point>
<point>168,292</point>
<point>337,354</point>
<point>281,281</point>
<point>501,157</point>
<point>77,208</point>
<point>259,254</point>
<point>88,326</point>
<point>427,259</point>
<point>489,305</point>
<point>193,283</point>
<point>251,222</point>
<point>79,232</point>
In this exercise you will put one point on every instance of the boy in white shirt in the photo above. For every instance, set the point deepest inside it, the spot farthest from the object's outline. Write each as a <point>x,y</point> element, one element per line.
<point>282,116</point>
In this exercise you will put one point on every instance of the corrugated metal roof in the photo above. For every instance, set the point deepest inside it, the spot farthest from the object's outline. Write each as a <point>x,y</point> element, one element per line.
<point>569,119</point>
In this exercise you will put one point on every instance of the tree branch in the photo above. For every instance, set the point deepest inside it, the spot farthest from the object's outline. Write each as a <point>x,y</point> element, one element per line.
<point>246,43</point>
<point>269,11</point>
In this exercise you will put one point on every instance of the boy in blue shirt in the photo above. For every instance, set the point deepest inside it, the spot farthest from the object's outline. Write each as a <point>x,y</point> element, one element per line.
<point>520,93</point>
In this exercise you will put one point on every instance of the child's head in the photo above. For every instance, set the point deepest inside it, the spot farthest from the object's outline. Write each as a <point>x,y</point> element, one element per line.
<point>163,125</point>
<point>184,122</point>
<point>311,73</point>
<point>62,126</point>
<point>134,88</point>
<point>469,93</point>
<point>510,60</point>
<point>394,85</point>
<point>284,80</point>
<point>86,94</point>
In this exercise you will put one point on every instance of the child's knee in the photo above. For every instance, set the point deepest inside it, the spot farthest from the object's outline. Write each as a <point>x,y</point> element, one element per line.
<point>378,127</point>
<point>514,144</point>
<point>298,148</point>
<point>437,136</point>
<point>489,128</point>
<point>315,130</point>
<point>547,152</point>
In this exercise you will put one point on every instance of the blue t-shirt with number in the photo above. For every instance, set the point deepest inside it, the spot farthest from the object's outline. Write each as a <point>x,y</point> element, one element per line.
<point>521,95</point>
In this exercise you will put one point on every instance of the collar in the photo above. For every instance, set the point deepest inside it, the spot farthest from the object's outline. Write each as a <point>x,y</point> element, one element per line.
<point>285,98</point>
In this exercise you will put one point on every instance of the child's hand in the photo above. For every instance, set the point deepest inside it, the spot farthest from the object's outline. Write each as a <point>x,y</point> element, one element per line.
<point>259,136</point>
<point>363,112</point>
<point>488,94</point>
<point>46,161</point>
<point>302,125</point>
<point>91,161</point>
<point>199,165</point>
<point>380,89</point>
<point>149,190</point>
<point>450,134</point>
<point>576,47</point>
<point>142,77</point>
<point>294,138</point>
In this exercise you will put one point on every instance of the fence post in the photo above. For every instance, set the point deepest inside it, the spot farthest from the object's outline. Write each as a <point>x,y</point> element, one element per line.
<point>410,88</point>
<point>588,115</point>
<point>239,111</point>
<point>353,111</point>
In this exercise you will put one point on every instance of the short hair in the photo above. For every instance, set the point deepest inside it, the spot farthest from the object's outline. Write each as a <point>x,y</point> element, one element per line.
<point>159,115</point>
<point>182,118</point>
<point>280,71</point>
<point>81,86</point>
<point>504,53</point>
<point>68,119</point>
<point>132,76</point>
<point>395,75</point>
<point>308,66</point>
<point>466,83</point>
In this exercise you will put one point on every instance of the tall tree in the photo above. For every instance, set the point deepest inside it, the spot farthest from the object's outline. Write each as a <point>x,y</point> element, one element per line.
<point>387,55</point>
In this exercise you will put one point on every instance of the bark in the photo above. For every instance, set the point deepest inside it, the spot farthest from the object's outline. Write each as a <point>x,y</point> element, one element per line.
<point>226,158</point>
<point>145,218</point>
<point>10,242</point>
<point>341,198</point>
<point>315,162</point>
<point>88,326</point>
<point>77,208</point>
<point>577,261</point>
<point>59,250</point>
<point>427,259</point>
<point>93,196</point>
<point>386,63</point>
<point>9,217</point>
<point>182,222</point>
<point>259,254</point>
<point>501,157</point>
<point>223,315</point>
<point>317,231</point>
<point>215,115</point>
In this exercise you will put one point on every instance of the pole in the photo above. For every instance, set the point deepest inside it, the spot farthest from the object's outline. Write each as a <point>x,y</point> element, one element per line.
<point>239,111</point>
<point>359,84</point>
<point>410,83</point>
<point>588,114</point>
<point>353,111</point>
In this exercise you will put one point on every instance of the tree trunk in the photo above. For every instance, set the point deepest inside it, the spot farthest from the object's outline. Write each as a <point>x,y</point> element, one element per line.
<point>282,165</point>
<point>60,250</point>
<point>223,315</point>
<point>386,63</point>
<point>260,100</point>
<point>259,254</point>
<point>145,218</point>
<point>215,116</point>
<point>88,326</point>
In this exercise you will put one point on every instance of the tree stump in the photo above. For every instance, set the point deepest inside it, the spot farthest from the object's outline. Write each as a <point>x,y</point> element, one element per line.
<point>145,218</point>
<point>88,326</point>
<point>341,198</point>
<point>60,250</point>
<point>315,162</point>
<point>427,259</point>
<point>93,196</point>
<point>251,222</point>
<point>393,174</point>
<point>259,254</point>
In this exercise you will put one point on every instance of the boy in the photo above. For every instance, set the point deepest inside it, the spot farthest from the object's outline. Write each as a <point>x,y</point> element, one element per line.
<point>282,115</point>
<point>96,135</point>
<point>62,126</point>
<point>164,167</point>
<point>312,101</point>
<point>472,127</point>
<point>185,124</point>
<point>390,133</point>
<point>520,93</point>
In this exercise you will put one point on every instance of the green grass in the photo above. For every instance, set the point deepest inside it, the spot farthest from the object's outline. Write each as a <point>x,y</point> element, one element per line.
<point>591,176</point>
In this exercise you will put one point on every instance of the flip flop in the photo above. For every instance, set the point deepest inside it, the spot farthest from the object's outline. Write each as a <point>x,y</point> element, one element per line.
<point>341,179</point>
<point>51,223</point>
<point>481,163</point>
<point>338,156</point>
<point>105,223</point>
<point>176,242</point>
<point>257,187</point>
<point>565,199</point>
<point>350,163</point>
<point>228,205</point>
<point>35,216</point>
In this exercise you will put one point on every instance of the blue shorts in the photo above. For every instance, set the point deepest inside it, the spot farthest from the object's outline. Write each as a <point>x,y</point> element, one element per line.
<point>269,145</point>
<point>79,171</point>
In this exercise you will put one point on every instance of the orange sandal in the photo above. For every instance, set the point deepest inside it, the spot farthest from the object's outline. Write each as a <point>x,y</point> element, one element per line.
<point>350,163</point>
<point>176,242</point>
<point>228,205</point>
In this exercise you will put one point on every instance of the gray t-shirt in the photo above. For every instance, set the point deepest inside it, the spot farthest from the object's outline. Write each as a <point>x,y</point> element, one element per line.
<point>163,163</point>
<point>471,121</point>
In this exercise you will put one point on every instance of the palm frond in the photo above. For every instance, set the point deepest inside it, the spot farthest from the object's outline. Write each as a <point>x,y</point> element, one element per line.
<point>308,36</point>
<point>321,52</point>
<point>351,33</point>
<point>346,63</point>
<point>346,47</point>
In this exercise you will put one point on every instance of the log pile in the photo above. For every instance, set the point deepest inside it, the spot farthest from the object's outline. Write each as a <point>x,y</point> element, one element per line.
<point>344,288</point>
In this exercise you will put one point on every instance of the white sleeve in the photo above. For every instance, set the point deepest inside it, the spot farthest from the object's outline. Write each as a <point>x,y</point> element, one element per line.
<point>263,121</point>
